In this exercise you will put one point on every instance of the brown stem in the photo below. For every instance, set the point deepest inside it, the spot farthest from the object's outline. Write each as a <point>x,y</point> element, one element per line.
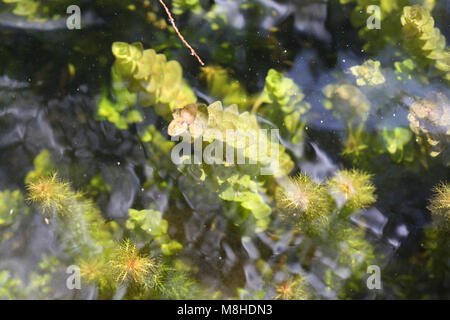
<point>172,21</point>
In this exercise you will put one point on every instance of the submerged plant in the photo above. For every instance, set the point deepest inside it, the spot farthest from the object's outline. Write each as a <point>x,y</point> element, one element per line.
<point>11,287</point>
<point>305,203</point>
<point>223,87</point>
<point>152,223</point>
<point>429,119</point>
<point>356,143</point>
<point>128,265</point>
<point>182,6</point>
<point>12,203</point>
<point>285,104</point>
<point>94,270</point>
<point>227,129</point>
<point>240,131</point>
<point>348,103</point>
<point>425,42</point>
<point>292,289</point>
<point>440,206</point>
<point>50,193</point>
<point>368,73</point>
<point>396,143</point>
<point>158,82</point>
<point>82,228</point>
<point>353,254</point>
<point>352,190</point>
<point>43,166</point>
<point>38,10</point>
<point>12,209</point>
<point>196,215</point>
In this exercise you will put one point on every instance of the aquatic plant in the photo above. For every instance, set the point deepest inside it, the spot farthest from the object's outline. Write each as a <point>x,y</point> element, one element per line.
<point>94,270</point>
<point>356,143</point>
<point>423,41</point>
<point>368,73</point>
<point>10,286</point>
<point>159,83</point>
<point>405,69</point>
<point>304,203</point>
<point>128,265</point>
<point>81,226</point>
<point>249,194</point>
<point>285,104</point>
<point>390,11</point>
<point>97,186</point>
<point>321,211</point>
<point>237,130</point>
<point>51,193</point>
<point>430,264</point>
<point>352,190</point>
<point>225,128</point>
<point>223,87</point>
<point>429,119</point>
<point>180,285</point>
<point>396,143</point>
<point>347,102</point>
<point>292,289</point>
<point>12,204</point>
<point>36,10</point>
<point>152,223</point>
<point>191,217</point>
<point>353,254</point>
<point>182,6</point>
<point>440,206</point>
<point>437,241</point>
<point>38,284</point>
<point>119,112</point>
<point>43,166</point>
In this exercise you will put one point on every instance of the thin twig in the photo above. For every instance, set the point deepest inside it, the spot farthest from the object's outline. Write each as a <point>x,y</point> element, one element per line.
<point>172,21</point>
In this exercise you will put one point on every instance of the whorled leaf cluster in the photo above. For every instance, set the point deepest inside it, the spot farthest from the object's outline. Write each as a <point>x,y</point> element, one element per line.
<point>423,40</point>
<point>147,75</point>
<point>311,205</point>
<point>240,131</point>
<point>285,104</point>
<point>224,128</point>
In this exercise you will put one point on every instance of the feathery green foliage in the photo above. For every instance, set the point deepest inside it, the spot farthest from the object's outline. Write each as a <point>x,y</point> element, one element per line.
<point>305,203</point>
<point>440,206</point>
<point>82,227</point>
<point>293,289</point>
<point>352,190</point>
<point>158,82</point>
<point>128,265</point>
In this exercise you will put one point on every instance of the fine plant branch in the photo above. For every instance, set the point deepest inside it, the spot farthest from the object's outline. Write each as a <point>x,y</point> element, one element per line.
<point>172,21</point>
